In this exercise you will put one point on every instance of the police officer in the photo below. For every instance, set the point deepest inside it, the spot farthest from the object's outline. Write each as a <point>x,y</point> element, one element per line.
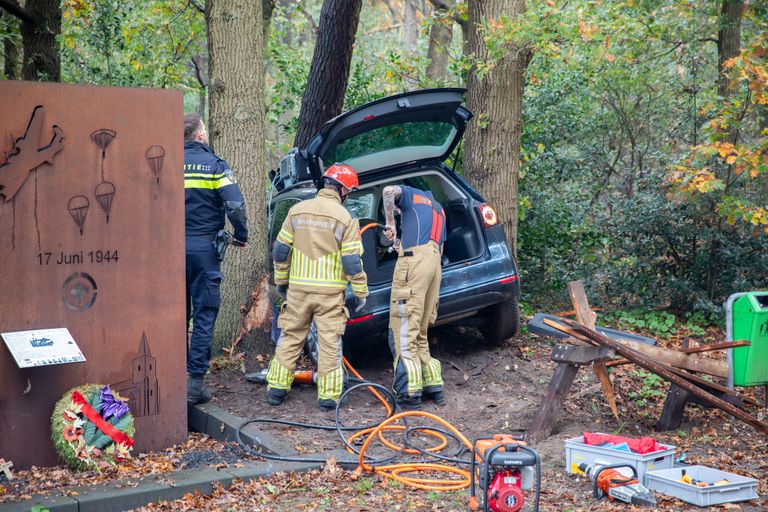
<point>210,192</point>
<point>317,251</point>
<point>415,292</point>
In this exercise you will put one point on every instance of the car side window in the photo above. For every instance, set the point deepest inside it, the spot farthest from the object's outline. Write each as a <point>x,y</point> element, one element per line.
<point>279,213</point>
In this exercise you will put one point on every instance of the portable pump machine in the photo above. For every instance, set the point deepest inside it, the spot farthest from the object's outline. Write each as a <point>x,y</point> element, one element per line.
<point>503,467</point>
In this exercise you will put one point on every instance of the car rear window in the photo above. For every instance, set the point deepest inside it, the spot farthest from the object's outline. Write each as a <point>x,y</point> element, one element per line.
<point>416,139</point>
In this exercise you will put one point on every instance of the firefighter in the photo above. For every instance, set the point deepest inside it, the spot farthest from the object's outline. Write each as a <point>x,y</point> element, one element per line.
<point>415,292</point>
<point>210,192</point>
<point>317,252</point>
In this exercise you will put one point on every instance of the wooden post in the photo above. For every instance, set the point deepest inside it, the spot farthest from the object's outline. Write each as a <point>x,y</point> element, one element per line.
<point>586,316</point>
<point>552,403</point>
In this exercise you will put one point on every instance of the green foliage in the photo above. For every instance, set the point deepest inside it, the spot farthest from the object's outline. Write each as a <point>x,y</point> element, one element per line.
<point>139,43</point>
<point>613,100</point>
<point>656,323</point>
<point>652,389</point>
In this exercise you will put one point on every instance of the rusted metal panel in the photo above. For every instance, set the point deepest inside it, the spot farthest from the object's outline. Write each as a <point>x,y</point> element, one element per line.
<point>92,239</point>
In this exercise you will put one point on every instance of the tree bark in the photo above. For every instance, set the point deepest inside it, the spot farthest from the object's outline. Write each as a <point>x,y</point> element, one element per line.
<point>236,126</point>
<point>324,96</point>
<point>410,27</point>
<point>728,40</point>
<point>11,53</point>
<point>492,147</point>
<point>40,25</point>
<point>41,50</point>
<point>440,35</point>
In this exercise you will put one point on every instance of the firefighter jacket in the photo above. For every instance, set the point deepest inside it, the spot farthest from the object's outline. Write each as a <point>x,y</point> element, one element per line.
<point>318,249</point>
<point>210,191</point>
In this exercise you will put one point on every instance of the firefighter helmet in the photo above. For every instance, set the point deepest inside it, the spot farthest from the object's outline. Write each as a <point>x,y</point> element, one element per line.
<point>342,174</point>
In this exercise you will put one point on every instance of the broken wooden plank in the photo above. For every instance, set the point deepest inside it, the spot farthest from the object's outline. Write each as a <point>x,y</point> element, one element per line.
<point>713,386</point>
<point>549,410</point>
<point>580,354</point>
<point>716,346</point>
<point>668,356</point>
<point>586,316</point>
<point>667,373</point>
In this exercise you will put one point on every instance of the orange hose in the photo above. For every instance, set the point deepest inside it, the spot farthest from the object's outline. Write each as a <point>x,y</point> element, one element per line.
<point>368,226</point>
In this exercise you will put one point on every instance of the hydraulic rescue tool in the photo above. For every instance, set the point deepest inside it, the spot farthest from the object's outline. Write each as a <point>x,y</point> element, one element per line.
<point>607,481</point>
<point>502,468</point>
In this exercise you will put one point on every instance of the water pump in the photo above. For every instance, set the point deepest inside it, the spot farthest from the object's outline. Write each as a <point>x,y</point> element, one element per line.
<point>503,468</point>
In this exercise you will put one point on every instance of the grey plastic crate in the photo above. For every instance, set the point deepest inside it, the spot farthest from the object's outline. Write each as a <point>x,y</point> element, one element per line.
<point>576,452</point>
<point>667,481</point>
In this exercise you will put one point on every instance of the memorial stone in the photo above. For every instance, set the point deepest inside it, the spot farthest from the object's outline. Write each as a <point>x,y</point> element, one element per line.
<point>92,240</point>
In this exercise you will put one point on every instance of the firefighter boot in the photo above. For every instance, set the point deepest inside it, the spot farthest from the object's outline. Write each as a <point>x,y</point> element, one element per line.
<point>276,396</point>
<point>197,393</point>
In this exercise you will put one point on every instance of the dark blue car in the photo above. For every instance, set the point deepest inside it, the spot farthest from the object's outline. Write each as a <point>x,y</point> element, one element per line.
<point>404,140</point>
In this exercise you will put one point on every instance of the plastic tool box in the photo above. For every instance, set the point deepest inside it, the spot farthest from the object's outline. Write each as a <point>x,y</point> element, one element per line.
<point>738,488</point>
<point>577,452</point>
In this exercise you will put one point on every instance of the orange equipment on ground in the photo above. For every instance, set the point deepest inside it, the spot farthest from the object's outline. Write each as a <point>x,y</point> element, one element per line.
<point>616,485</point>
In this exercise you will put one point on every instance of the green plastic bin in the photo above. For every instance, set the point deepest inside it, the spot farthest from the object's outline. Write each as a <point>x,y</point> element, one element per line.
<point>750,322</point>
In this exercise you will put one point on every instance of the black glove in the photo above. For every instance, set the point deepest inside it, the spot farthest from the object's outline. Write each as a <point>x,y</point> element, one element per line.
<point>282,290</point>
<point>359,303</point>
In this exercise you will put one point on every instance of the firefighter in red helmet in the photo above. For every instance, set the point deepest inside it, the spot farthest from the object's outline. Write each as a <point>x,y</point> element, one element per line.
<point>317,252</point>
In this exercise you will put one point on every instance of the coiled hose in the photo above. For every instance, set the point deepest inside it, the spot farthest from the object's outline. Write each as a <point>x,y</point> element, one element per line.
<point>406,472</point>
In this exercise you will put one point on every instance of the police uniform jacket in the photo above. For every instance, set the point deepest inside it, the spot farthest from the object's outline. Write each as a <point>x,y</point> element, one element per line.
<point>210,192</point>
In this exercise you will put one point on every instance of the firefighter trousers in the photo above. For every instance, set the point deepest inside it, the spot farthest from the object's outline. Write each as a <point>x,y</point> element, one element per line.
<point>296,315</point>
<point>413,308</point>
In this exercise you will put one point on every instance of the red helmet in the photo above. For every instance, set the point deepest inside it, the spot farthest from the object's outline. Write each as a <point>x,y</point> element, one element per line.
<point>342,174</point>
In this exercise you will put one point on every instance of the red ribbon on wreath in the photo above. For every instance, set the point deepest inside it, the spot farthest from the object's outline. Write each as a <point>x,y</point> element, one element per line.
<point>95,418</point>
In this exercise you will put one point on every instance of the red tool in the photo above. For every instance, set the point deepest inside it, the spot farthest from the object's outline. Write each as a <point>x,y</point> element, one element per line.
<point>616,485</point>
<point>504,467</point>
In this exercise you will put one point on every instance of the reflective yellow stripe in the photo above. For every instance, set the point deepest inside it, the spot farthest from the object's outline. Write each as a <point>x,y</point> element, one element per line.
<point>323,271</point>
<point>207,184</point>
<point>288,237</point>
<point>433,374</point>
<point>278,376</point>
<point>204,175</point>
<point>330,385</point>
<point>351,245</point>
<point>414,376</point>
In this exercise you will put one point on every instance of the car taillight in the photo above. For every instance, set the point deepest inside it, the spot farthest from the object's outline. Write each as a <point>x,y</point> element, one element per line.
<point>488,215</point>
<point>359,319</point>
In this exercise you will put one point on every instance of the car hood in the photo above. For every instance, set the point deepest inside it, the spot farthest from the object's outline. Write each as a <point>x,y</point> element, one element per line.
<point>416,126</point>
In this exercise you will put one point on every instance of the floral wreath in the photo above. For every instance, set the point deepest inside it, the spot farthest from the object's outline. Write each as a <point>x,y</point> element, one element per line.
<point>91,427</point>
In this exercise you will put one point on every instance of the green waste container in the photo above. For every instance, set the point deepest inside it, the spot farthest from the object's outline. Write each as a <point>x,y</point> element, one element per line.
<point>750,322</point>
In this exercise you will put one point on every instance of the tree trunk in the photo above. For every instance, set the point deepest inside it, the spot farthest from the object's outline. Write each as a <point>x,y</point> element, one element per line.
<point>728,40</point>
<point>324,96</point>
<point>11,53</point>
<point>440,35</point>
<point>410,27</point>
<point>40,26</point>
<point>492,147</point>
<point>41,50</point>
<point>236,125</point>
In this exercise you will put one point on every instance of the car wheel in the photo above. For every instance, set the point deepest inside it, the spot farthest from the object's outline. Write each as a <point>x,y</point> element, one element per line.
<point>502,321</point>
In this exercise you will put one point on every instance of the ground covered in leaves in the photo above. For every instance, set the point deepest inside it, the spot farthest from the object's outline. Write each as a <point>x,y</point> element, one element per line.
<point>490,390</point>
<point>198,451</point>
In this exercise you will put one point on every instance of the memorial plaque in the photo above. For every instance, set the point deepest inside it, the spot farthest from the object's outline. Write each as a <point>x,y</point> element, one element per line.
<point>92,240</point>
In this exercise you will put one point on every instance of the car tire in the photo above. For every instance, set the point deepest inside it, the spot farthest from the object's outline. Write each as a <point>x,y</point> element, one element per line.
<point>502,321</point>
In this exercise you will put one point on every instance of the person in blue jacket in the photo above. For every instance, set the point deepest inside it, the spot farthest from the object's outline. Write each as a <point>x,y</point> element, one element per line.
<point>210,193</point>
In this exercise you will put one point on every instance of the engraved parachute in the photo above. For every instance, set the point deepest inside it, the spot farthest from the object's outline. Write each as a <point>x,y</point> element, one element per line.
<point>155,156</point>
<point>78,208</point>
<point>105,194</point>
<point>103,138</point>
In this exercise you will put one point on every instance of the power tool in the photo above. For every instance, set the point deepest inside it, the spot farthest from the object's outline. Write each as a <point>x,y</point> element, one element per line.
<point>502,468</point>
<point>606,481</point>
<point>308,377</point>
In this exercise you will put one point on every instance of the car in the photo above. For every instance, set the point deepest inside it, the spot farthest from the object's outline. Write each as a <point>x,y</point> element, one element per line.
<point>405,140</point>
